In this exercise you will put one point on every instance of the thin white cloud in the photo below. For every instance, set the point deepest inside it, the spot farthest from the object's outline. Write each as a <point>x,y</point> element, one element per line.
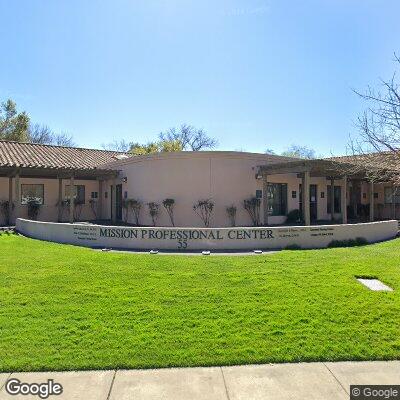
<point>243,11</point>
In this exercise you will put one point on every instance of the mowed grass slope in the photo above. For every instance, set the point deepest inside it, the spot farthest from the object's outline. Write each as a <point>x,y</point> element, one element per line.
<point>65,307</point>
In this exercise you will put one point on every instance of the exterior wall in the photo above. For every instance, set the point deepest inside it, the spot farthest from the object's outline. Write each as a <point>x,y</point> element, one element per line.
<point>189,177</point>
<point>382,210</point>
<point>3,195</point>
<point>226,179</point>
<point>49,209</point>
<point>202,239</point>
<point>322,186</point>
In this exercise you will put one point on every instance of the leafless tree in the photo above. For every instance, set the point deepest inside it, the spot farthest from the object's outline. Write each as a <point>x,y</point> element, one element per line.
<point>270,151</point>
<point>169,205</point>
<point>154,211</point>
<point>231,211</point>
<point>190,138</point>
<point>118,145</point>
<point>42,134</point>
<point>135,206</point>
<point>252,206</point>
<point>204,209</point>
<point>375,152</point>
<point>299,152</point>
<point>63,139</point>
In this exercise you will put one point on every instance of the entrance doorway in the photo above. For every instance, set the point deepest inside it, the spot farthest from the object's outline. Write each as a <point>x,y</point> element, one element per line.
<point>118,201</point>
<point>313,203</point>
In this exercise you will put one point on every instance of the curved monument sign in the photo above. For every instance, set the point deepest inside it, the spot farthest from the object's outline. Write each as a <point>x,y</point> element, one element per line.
<point>238,238</point>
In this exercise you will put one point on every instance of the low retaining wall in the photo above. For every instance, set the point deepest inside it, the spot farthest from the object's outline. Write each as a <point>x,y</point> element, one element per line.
<point>118,237</point>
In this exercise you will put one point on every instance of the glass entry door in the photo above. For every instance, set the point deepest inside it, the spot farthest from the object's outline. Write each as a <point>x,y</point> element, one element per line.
<point>313,203</point>
<point>118,200</point>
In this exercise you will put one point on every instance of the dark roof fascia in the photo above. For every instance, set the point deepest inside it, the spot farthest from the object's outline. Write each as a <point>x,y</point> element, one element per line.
<point>36,172</point>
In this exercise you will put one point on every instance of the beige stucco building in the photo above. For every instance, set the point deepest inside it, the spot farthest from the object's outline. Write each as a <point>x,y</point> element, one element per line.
<point>104,181</point>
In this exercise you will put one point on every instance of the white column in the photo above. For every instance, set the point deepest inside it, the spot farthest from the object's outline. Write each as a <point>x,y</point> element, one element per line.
<point>371,201</point>
<point>71,199</point>
<point>344,200</point>
<point>305,186</point>
<point>393,205</point>
<point>10,201</point>
<point>60,199</point>
<point>114,201</point>
<point>332,194</point>
<point>17,206</point>
<point>100,200</point>
<point>265,199</point>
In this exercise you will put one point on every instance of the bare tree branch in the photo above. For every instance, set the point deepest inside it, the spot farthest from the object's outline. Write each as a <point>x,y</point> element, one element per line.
<point>118,145</point>
<point>42,134</point>
<point>190,138</point>
<point>375,152</point>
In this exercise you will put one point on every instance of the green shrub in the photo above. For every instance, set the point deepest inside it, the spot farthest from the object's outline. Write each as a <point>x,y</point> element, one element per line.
<point>293,216</point>
<point>359,241</point>
<point>7,232</point>
<point>293,246</point>
<point>33,208</point>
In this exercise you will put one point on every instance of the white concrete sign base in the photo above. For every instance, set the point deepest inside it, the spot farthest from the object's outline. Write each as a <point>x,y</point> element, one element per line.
<point>147,238</point>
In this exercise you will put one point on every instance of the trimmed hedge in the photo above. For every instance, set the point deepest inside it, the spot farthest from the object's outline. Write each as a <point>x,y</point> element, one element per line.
<point>360,241</point>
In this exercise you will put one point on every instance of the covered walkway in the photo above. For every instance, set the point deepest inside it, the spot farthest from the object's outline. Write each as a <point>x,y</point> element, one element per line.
<point>353,194</point>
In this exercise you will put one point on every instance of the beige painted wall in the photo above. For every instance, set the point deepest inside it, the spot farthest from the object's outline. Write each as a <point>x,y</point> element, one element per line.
<point>225,177</point>
<point>49,211</point>
<point>3,195</point>
<point>188,177</point>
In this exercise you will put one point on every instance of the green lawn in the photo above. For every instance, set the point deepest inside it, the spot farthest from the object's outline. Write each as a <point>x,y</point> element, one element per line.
<point>65,307</point>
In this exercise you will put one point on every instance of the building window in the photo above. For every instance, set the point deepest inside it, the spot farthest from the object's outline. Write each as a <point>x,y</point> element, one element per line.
<point>337,194</point>
<point>79,194</point>
<point>391,194</point>
<point>94,195</point>
<point>259,194</point>
<point>294,194</point>
<point>32,192</point>
<point>277,199</point>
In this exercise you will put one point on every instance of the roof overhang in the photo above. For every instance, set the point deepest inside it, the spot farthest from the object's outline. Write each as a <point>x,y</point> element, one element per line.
<point>84,174</point>
<point>316,168</point>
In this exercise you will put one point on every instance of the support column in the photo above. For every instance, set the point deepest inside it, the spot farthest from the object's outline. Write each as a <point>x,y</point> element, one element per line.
<point>60,199</point>
<point>371,201</point>
<point>393,205</point>
<point>305,187</point>
<point>100,201</point>
<point>344,200</point>
<point>10,201</point>
<point>114,201</point>
<point>332,194</point>
<point>71,199</point>
<point>17,206</point>
<point>265,199</point>
<point>354,200</point>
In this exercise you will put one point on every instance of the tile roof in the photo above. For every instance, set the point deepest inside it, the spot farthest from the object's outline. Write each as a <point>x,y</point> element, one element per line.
<point>30,155</point>
<point>384,160</point>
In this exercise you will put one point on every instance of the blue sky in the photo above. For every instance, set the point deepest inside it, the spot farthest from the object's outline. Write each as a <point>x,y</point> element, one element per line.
<point>253,74</point>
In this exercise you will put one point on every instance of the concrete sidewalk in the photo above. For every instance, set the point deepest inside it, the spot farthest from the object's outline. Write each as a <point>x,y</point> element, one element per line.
<point>309,381</point>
